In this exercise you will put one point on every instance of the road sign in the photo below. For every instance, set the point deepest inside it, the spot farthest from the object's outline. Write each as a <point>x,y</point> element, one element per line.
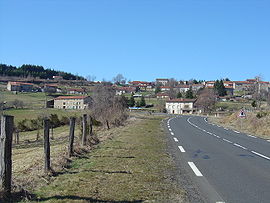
<point>242,114</point>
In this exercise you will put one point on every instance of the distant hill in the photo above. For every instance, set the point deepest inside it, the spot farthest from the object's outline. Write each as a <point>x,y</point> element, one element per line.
<point>27,70</point>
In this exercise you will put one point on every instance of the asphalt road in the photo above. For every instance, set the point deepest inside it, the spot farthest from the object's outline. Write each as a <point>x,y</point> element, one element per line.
<point>225,165</point>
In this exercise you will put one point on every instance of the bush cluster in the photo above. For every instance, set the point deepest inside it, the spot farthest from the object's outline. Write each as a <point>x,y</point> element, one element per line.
<point>35,124</point>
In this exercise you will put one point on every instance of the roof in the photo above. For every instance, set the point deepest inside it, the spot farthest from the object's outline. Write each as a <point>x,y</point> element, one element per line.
<point>139,82</point>
<point>70,97</point>
<point>162,94</point>
<point>21,83</point>
<point>181,100</point>
<point>162,79</point>
<point>242,82</point>
<point>183,86</point>
<point>76,89</point>
<point>165,87</point>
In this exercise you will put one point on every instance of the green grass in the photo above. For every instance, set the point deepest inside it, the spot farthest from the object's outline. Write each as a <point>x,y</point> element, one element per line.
<point>133,165</point>
<point>30,100</point>
<point>233,105</point>
<point>20,114</point>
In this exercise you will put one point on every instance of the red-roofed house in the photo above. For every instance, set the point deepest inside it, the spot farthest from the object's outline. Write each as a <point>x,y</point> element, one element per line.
<point>20,86</point>
<point>72,102</point>
<point>180,106</point>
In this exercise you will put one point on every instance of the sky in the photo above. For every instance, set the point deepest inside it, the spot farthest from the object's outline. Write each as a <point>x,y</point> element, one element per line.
<point>141,39</point>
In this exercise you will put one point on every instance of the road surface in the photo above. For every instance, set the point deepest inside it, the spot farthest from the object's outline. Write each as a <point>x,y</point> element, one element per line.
<point>225,165</point>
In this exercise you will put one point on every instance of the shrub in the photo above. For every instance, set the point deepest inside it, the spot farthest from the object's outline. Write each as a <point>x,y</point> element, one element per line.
<point>261,115</point>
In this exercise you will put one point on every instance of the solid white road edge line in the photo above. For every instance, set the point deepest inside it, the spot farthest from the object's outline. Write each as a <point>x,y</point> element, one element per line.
<point>195,169</point>
<point>261,155</point>
<point>175,139</point>
<point>236,131</point>
<point>181,149</point>
<point>251,136</point>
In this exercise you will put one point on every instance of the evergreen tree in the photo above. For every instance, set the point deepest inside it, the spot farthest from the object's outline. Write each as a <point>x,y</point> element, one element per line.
<point>189,94</point>
<point>131,101</point>
<point>179,95</point>
<point>142,102</point>
<point>254,104</point>
<point>138,104</point>
<point>220,88</point>
<point>158,89</point>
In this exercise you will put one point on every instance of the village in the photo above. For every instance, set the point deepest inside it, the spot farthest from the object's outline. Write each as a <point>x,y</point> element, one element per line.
<point>176,97</point>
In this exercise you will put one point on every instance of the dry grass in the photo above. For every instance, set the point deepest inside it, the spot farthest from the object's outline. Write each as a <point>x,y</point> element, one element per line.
<point>130,166</point>
<point>251,125</point>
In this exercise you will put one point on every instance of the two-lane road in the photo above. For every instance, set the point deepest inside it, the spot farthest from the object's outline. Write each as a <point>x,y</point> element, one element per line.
<point>227,165</point>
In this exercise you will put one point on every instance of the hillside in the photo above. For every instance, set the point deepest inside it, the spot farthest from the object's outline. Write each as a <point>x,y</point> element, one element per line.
<point>35,71</point>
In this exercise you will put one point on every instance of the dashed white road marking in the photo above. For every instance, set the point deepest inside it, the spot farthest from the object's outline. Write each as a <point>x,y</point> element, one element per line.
<point>195,169</point>
<point>236,131</point>
<point>238,145</point>
<point>226,129</point>
<point>227,140</point>
<point>268,140</point>
<point>181,149</point>
<point>217,136</point>
<point>261,155</point>
<point>175,139</point>
<point>170,129</point>
<point>172,133</point>
<point>251,136</point>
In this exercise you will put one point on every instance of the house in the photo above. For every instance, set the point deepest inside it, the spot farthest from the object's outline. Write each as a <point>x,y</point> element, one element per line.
<point>197,87</point>
<point>51,88</point>
<point>183,88</point>
<point>180,106</point>
<point>124,90</point>
<point>56,77</point>
<point>242,85</point>
<point>162,82</point>
<point>209,84</point>
<point>162,95</point>
<point>72,102</point>
<point>143,86</point>
<point>20,86</point>
<point>76,91</point>
<point>165,88</point>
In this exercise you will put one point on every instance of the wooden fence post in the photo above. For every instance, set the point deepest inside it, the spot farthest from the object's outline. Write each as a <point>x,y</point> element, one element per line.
<point>90,125</point>
<point>7,124</point>
<point>47,155</point>
<point>71,135</point>
<point>84,131</point>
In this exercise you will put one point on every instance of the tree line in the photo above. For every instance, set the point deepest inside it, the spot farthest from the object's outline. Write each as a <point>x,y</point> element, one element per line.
<point>27,70</point>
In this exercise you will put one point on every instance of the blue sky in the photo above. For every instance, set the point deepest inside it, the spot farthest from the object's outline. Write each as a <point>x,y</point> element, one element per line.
<point>141,39</point>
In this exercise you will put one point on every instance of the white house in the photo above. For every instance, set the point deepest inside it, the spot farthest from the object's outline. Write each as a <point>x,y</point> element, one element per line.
<point>180,106</point>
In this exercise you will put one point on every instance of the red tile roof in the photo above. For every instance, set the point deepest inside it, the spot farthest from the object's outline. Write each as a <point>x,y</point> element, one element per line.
<point>70,97</point>
<point>20,83</point>
<point>181,100</point>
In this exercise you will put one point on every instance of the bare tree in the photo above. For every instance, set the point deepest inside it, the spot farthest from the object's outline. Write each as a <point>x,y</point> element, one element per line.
<point>108,108</point>
<point>206,99</point>
<point>119,79</point>
<point>172,82</point>
<point>90,78</point>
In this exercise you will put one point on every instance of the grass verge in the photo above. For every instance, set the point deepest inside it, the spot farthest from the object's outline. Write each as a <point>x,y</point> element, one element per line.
<point>250,125</point>
<point>130,166</point>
